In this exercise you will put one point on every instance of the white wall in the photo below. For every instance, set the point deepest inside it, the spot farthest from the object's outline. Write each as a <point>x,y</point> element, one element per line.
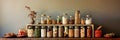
<point>14,15</point>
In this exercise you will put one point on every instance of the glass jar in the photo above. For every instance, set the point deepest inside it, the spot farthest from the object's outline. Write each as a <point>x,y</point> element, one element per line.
<point>59,19</point>
<point>55,31</point>
<point>43,19</point>
<point>82,31</point>
<point>71,31</point>
<point>76,31</point>
<point>60,31</point>
<point>37,31</point>
<point>30,31</point>
<point>43,31</point>
<point>71,21</point>
<point>65,19</point>
<point>88,20</point>
<point>49,31</point>
<point>82,21</point>
<point>89,32</point>
<point>66,30</point>
<point>49,20</point>
<point>77,17</point>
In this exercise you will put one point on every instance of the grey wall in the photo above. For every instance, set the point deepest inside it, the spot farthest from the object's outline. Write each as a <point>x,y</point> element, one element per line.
<point>104,12</point>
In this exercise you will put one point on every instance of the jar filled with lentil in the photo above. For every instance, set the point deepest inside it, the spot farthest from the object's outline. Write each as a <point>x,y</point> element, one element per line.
<point>71,31</point>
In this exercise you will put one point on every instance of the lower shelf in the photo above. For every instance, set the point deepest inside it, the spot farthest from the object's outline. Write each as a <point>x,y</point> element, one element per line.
<point>59,38</point>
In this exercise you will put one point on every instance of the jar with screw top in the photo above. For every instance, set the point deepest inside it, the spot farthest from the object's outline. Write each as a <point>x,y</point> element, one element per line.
<point>37,31</point>
<point>71,31</point>
<point>82,32</point>
<point>66,30</point>
<point>59,20</point>
<point>60,31</point>
<point>55,31</point>
<point>43,19</point>
<point>76,31</point>
<point>71,20</point>
<point>43,31</point>
<point>30,31</point>
<point>49,31</point>
<point>49,20</point>
<point>89,32</point>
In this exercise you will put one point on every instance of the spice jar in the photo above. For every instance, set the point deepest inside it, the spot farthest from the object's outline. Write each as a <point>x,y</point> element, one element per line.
<point>37,31</point>
<point>89,32</point>
<point>43,31</point>
<point>65,19</point>
<point>55,31</point>
<point>82,31</point>
<point>82,21</point>
<point>71,31</point>
<point>71,21</point>
<point>59,20</point>
<point>76,31</point>
<point>49,20</point>
<point>43,19</point>
<point>60,31</point>
<point>66,31</point>
<point>49,31</point>
<point>30,31</point>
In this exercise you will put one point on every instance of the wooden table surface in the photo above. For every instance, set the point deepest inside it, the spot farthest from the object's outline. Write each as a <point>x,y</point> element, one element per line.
<point>59,38</point>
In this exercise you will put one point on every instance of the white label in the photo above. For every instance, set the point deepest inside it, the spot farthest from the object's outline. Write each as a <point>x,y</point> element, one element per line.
<point>43,33</point>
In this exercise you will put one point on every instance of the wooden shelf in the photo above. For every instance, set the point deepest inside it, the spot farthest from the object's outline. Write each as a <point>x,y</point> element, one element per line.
<point>59,38</point>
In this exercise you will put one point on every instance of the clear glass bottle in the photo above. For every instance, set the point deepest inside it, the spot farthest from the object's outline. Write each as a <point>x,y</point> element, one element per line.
<point>49,31</point>
<point>49,20</point>
<point>88,20</point>
<point>55,31</point>
<point>76,31</point>
<point>43,19</point>
<point>30,31</point>
<point>37,31</point>
<point>59,20</point>
<point>71,20</point>
<point>43,31</point>
<point>65,18</point>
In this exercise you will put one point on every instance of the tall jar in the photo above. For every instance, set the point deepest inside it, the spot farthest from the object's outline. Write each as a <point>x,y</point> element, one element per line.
<point>60,31</point>
<point>76,31</point>
<point>49,20</point>
<point>43,19</point>
<point>65,18</point>
<point>71,31</point>
<point>82,31</point>
<point>30,31</point>
<point>88,20</point>
<point>71,20</point>
<point>43,31</point>
<point>49,31</point>
<point>37,31</point>
<point>59,20</point>
<point>77,17</point>
<point>89,32</point>
<point>66,30</point>
<point>55,31</point>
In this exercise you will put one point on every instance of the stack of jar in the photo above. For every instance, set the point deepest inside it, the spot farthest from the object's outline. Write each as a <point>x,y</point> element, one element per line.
<point>62,31</point>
